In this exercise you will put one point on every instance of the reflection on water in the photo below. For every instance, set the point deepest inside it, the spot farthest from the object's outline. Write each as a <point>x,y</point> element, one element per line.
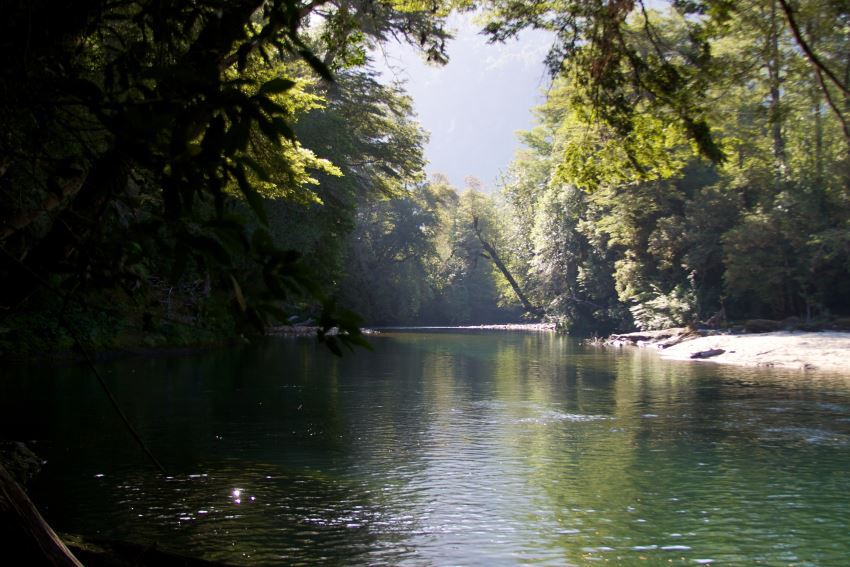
<point>442,448</point>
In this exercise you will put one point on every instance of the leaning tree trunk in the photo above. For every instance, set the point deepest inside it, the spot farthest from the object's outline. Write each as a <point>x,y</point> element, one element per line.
<point>493,255</point>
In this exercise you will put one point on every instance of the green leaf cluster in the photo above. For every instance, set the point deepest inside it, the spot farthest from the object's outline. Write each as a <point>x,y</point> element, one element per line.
<point>696,164</point>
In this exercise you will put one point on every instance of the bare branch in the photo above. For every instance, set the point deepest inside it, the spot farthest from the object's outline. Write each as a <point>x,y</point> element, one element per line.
<point>807,49</point>
<point>845,127</point>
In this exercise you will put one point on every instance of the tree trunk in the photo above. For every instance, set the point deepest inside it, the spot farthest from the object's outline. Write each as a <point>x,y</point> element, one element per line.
<point>818,143</point>
<point>493,255</point>
<point>774,66</point>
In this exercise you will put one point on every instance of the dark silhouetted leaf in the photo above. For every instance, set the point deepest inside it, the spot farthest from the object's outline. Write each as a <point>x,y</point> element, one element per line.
<point>316,64</point>
<point>255,165</point>
<point>251,195</point>
<point>237,292</point>
<point>276,86</point>
<point>284,129</point>
<point>237,136</point>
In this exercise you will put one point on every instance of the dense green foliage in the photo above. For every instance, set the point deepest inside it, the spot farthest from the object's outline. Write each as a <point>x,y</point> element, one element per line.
<point>635,216</point>
<point>701,175</point>
<point>143,137</point>
<point>172,171</point>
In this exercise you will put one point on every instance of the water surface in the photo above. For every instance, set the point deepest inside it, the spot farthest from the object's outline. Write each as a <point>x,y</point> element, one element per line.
<point>445,448</point>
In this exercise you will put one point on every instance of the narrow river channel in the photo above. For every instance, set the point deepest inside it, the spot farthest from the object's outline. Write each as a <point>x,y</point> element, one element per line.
<point>446,448</point>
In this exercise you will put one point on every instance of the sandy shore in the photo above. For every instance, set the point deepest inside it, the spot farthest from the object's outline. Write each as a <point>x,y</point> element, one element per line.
<point>827,350</point>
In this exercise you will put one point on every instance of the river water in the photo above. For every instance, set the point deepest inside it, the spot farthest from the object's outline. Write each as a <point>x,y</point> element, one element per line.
<point>446,448</point>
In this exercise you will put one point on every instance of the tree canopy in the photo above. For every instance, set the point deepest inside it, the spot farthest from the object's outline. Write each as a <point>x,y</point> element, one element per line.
<point>155,120</point>
<point>689,159</point>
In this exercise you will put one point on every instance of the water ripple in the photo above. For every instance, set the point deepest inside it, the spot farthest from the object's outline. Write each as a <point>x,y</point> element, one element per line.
<point>444,450</point>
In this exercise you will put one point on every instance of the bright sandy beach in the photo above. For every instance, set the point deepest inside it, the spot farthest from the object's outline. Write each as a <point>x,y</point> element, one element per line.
<point>810,351</point>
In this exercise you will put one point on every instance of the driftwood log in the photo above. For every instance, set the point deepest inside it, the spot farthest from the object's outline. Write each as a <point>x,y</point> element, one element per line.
<point>28,541</point>
<point>24,533</point>
<point>708,353</point>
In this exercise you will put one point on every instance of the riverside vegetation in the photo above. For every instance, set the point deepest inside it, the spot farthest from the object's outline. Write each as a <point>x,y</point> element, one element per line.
<point>176,173</point>
<point>170,172</point>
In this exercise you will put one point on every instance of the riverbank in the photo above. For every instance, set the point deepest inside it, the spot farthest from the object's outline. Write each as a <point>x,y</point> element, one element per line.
<point>310,331</point>
<point>530,327</point>
<point>800,350</point>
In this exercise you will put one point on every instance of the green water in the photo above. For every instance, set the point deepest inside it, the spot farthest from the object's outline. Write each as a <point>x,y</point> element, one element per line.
<point>446,449</point>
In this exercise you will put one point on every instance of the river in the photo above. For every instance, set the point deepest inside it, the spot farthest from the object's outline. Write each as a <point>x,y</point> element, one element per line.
<point>445,448</point>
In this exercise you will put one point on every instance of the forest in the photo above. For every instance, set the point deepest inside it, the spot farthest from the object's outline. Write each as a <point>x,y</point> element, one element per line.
<point>175,173</point>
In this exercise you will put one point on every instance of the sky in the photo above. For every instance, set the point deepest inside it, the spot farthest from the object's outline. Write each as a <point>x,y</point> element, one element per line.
<point>473,106</point>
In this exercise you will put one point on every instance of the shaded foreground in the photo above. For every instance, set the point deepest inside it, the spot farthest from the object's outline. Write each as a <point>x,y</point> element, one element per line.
<point>23,529</point>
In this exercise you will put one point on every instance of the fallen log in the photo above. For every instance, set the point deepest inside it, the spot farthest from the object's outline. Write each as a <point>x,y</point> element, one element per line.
<point>23,532</point>
<point>708,353</point>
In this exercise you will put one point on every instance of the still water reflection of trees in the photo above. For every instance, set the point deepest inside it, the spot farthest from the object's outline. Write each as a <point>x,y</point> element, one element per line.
<point>453,448</point>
